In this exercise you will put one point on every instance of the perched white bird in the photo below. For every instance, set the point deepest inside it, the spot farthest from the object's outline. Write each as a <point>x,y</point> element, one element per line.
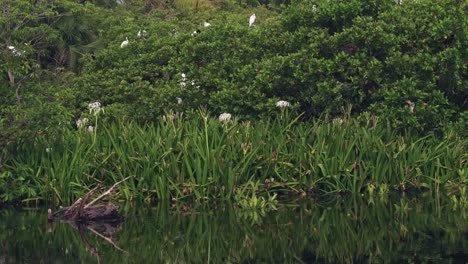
<point>314,7</point>
<point>124,43</point>
<point>142,34</point>
<point>15,51</point>
<point>206,24</point>
<point>195,32</point>
<point>252,20</point>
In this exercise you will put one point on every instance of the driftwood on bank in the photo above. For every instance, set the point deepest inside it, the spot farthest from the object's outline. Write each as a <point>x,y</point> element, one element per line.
<point>82,211</point>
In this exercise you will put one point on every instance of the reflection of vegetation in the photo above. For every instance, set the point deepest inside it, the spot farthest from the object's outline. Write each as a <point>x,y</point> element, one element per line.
<point>343,229</point>
<point>252,206</point>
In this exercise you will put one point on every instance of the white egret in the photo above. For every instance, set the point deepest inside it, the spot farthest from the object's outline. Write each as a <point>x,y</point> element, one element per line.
<point>206,24</point>
<point>15,51</point>
<point>252,20</point>
<point>195,32</point>
<point>142,34</point>
<point>124,43</point>
<point>192,82</point>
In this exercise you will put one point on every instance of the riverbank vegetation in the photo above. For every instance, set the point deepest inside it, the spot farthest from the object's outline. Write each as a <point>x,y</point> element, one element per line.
<point>199,158</point>
<point>315,97</point>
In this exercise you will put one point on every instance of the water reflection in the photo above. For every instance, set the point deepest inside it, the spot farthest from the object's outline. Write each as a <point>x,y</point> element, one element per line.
<point>343,229</point>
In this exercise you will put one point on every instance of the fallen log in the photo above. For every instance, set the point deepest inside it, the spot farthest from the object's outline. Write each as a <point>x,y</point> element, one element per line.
<point>93,211</point>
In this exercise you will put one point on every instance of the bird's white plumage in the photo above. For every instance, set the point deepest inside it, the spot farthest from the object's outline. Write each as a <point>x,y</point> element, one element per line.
<point>206,24</point>
<point>15,51</point>
<point>252,20</point>
<point>142,34</point>
<point>124,43</point>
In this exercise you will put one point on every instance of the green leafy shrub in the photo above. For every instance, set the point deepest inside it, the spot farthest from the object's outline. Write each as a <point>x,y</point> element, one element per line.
<point>376,56</point>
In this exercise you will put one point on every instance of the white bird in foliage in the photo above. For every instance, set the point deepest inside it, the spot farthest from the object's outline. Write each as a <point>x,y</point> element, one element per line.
<point>195,32</point>
<point>252,20</point>
<point>15,51</point>
<point>124,43</point>
<point>206,24</point>
<point>175,33</point>
<point>142,34</point>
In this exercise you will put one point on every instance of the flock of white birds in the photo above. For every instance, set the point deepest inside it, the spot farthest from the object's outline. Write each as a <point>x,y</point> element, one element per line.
<point>143,34</point>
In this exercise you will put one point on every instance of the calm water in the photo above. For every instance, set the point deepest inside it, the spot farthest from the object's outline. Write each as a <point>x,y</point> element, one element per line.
<point>342,229</point>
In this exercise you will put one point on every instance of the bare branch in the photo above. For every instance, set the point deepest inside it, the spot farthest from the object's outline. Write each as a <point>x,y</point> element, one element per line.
<point>106,192</point>
<point>85,198</point>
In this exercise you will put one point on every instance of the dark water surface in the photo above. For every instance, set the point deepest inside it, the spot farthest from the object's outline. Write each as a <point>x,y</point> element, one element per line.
<point>342,229</point>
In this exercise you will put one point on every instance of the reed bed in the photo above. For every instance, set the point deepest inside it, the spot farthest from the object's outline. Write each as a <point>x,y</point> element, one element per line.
<point>198,157</point>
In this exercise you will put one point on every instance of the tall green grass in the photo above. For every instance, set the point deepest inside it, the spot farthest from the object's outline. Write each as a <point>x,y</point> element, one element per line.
<point>197,157</point>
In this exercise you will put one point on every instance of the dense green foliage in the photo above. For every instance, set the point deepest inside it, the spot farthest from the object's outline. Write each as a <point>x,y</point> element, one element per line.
<point>196,157</point>
<point>405,63</point>
<point>375,55</point>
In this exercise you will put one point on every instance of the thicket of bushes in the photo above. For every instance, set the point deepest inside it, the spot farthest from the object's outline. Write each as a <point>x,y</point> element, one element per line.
<point>403,62</point>
<point>377,56</point>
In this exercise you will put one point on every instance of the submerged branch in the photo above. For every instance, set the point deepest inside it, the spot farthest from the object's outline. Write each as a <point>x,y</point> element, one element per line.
<point>109,240</point>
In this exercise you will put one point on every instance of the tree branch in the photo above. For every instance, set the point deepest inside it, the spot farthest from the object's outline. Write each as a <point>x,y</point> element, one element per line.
<point>106,192</point>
